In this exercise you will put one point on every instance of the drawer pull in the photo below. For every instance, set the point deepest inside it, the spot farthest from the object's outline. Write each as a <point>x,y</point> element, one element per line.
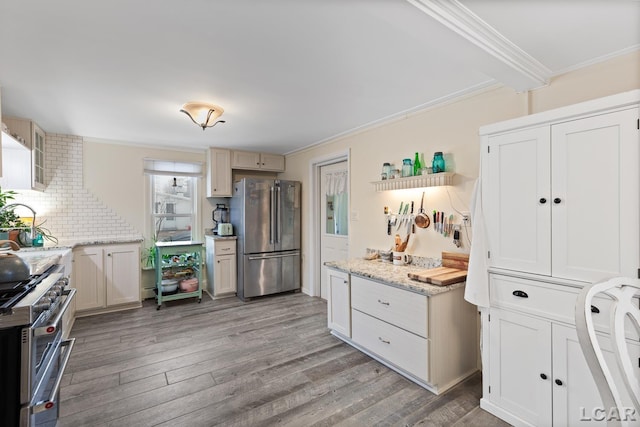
<point>558,382</point>
<point>383,302</point>
<point>521,294</point>
<point>543,376</point>
<point>595,309</point>
<point>384,341</point>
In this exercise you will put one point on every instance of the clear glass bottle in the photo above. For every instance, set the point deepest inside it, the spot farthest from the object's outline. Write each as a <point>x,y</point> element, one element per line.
<point>386,171</point>
<point>438,162</point>
<point>417,167</point>
<point>407,168</point>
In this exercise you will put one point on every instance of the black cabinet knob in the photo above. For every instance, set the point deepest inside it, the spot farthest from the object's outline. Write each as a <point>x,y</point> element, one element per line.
<point>558,382</point>
<point>521,294</point>
<point>543,200</point>
<point>543,376</point>
<point>595,309</point>
<point>557,200</point>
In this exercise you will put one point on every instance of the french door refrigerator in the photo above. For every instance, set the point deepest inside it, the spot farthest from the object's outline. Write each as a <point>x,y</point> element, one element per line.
<point>265,214</point>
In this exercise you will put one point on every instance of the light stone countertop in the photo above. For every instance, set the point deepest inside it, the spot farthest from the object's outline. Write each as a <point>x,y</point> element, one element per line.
<point>90,241</point>
<point>216,237</point>
<point>392,275</point>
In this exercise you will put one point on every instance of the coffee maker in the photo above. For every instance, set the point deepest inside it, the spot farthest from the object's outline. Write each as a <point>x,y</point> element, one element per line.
<point>220,215</point>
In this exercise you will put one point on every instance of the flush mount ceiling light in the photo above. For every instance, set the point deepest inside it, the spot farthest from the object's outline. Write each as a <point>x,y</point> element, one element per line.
<point>203,114</point>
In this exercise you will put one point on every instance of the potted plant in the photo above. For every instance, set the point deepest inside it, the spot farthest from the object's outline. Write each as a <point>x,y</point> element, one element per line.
<point>9,220</point>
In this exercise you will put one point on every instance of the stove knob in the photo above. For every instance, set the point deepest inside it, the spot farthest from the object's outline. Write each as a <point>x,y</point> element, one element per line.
<point>43,306</point>
<point>63,282</point>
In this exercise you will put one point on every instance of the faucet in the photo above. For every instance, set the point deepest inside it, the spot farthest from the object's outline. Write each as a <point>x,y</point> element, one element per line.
<point>33,224</point>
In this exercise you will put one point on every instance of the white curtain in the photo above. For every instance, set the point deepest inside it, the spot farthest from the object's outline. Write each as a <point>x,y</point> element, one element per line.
<point>337,183</point>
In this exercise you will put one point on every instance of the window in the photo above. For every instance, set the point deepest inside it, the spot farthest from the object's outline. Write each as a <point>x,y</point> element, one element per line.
<point>173,188</point>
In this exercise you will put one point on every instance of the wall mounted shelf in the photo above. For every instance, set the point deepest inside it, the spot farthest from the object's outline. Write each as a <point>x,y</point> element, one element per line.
<point>419,181</point>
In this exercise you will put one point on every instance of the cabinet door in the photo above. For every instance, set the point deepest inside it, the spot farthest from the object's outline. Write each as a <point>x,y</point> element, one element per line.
<point>517,208</point>
<point>576,400</point>
<point>595,214</point>
<point>37,158</point>
<point>122,265</point>
<point>272,162</point>
<point>520,366</point>
<point>218,173</point>
<point>339,302</point>
<point>224,275</point>
<point>245,160</point>
<point>88,278</point>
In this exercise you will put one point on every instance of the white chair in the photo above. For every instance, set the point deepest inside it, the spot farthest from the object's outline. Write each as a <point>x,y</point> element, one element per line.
<point>621,290</point>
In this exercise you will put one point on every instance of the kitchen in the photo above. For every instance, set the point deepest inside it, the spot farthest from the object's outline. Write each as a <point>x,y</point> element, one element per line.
<point>100,185</point>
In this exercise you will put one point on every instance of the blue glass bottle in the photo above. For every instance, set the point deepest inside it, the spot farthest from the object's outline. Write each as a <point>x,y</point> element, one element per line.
<point>38,242</point>
<point>438,162</point>
<point>407,168</point>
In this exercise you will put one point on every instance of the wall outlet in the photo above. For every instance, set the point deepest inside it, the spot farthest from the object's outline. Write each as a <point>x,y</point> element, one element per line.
<point>466,218</point>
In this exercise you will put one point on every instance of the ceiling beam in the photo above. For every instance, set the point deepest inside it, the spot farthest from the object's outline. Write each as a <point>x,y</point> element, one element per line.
<point>503,60</point>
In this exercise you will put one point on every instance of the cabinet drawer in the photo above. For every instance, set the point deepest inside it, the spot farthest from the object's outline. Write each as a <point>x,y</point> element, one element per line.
<point>405,309</point>
<point>548,300</point>
<point>403,349</point>
<point>225,247</point>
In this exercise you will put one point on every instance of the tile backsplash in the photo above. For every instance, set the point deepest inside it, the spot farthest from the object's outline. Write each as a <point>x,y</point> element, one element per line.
<point>72,212</point>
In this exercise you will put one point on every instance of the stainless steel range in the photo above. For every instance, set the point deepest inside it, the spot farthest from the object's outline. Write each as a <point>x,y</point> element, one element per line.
<point>33,353</point>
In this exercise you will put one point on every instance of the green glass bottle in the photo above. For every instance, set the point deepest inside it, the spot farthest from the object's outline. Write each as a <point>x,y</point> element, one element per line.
<point>417,167</point>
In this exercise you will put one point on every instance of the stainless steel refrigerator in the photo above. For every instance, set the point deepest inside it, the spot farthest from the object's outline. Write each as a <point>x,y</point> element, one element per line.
<point>265,214</point>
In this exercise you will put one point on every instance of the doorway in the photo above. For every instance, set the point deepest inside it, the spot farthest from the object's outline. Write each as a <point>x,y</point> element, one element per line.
<point>334,214</point>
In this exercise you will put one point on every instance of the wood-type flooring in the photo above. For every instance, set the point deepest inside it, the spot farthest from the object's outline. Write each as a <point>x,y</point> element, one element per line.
<point>270,361</point>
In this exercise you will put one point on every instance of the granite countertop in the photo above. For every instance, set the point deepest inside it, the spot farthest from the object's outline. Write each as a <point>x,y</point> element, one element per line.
<point>216,237</point>
<point>393,275</point>
<point>89,241</point>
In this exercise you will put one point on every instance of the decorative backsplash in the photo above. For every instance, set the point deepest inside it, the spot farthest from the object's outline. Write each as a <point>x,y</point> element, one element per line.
<point>72,212</point>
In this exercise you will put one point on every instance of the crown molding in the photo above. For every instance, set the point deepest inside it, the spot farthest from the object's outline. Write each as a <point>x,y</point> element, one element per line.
<point>455,16</point>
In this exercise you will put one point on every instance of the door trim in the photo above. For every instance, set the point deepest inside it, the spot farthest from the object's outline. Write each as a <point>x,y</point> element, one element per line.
<point>314,225</point>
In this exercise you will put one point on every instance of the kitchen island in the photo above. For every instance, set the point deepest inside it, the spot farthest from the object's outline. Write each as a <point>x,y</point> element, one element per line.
<point>427,333</point>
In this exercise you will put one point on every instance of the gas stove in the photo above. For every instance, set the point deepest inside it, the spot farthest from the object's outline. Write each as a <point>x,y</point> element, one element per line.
<point>21,303</point>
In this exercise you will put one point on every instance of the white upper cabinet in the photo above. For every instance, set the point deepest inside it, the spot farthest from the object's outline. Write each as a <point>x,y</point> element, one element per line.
<point>561,199</point>
<point>594,191</point>
<point>24,172</point>
<point>218,172</point>
<point>517,208</point>
<point>250,160</point>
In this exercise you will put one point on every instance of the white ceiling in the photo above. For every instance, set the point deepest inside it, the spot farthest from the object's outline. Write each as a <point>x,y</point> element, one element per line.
<point>289,73</point>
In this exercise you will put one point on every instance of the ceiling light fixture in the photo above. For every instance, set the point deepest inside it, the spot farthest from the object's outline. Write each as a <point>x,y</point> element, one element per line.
<point>203,114</point>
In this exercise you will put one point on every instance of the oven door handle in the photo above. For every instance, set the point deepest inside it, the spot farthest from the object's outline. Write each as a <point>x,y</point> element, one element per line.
<point>52,327</point>
<point>50,402</point>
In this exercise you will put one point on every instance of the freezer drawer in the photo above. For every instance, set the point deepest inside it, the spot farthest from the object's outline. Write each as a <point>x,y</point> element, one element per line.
<point>265,274</point>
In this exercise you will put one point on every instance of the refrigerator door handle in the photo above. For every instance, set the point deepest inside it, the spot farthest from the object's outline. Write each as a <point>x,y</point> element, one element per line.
<point>288,254</point>
<point>272,208</point>
<point>278,215</point>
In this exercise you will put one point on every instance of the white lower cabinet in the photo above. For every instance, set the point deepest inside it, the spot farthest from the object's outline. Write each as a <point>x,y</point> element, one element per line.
<point>432,340</point>
<point>339,302</point>
<point>106,276</point>
<point>536,373</point>
<point>221,266</point>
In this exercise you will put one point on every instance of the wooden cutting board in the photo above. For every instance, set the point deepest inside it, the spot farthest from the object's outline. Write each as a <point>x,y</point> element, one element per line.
<point>444,277</point>
<point>453,270</point>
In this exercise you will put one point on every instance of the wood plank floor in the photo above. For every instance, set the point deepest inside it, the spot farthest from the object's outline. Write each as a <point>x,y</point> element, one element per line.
<point>267,362</point>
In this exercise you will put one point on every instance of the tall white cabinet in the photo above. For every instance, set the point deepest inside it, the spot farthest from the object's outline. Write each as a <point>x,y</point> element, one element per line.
<point>561,200</point>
